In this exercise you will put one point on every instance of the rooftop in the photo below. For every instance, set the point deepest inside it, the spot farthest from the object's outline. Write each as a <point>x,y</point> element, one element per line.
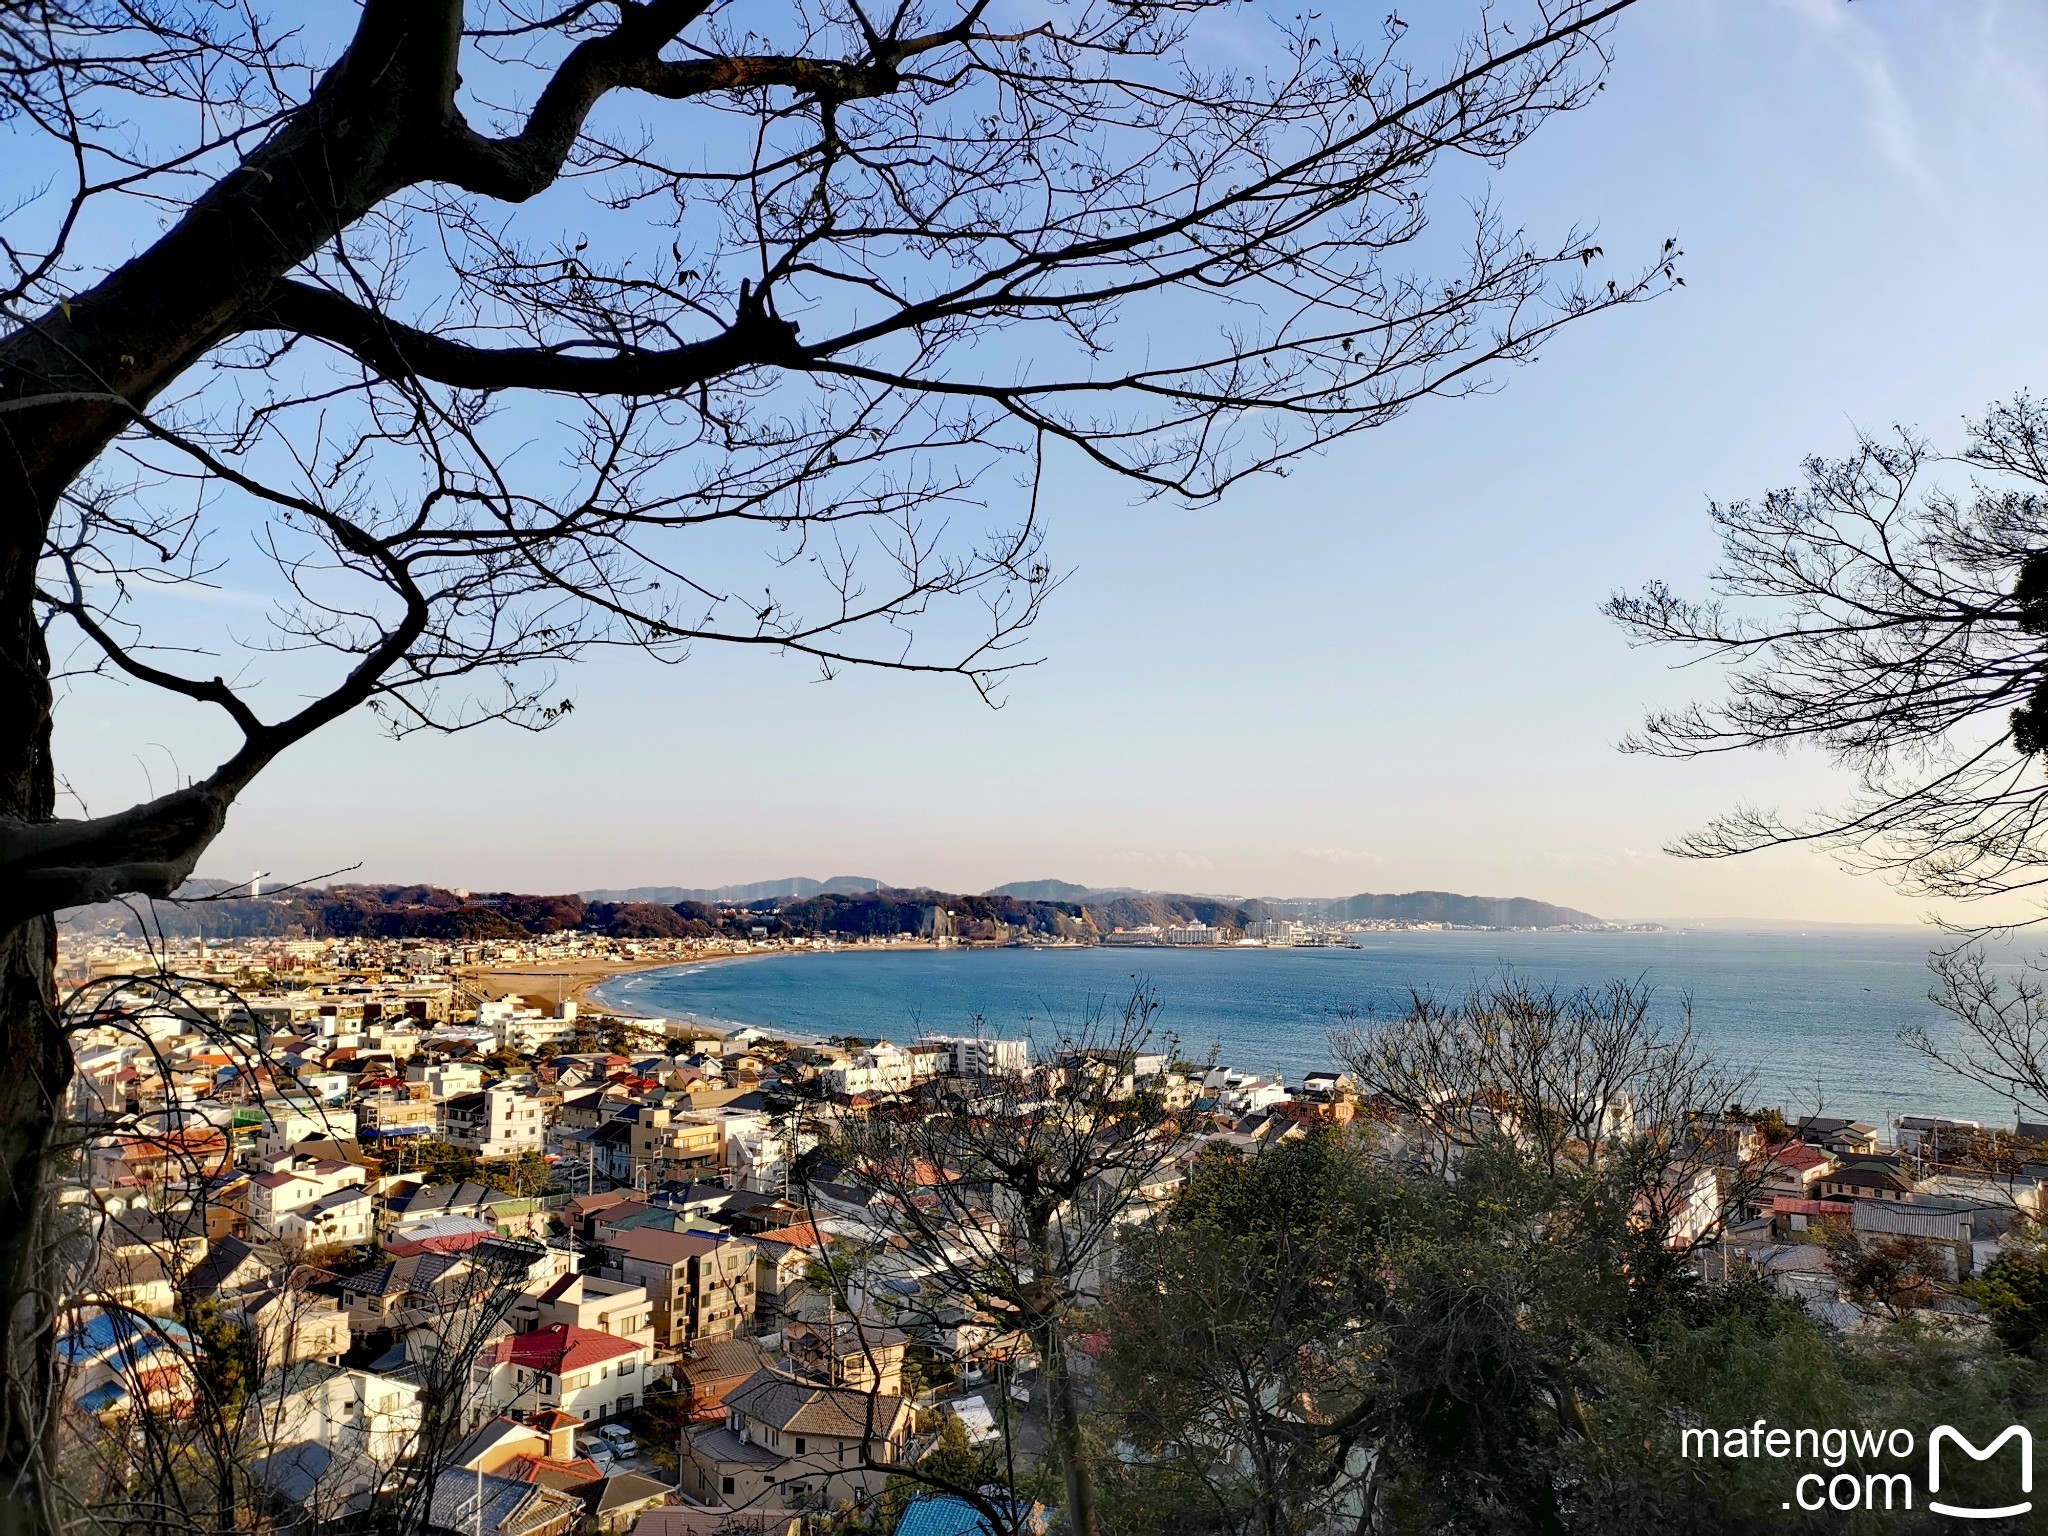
<point>811,1407</point>
<point>655,1246</point>
<point>562,1347</point>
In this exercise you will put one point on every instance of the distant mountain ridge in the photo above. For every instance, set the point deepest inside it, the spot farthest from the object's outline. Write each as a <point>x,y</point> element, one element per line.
<point>1131,907</point>
<point>1044,890</point>
<point>1464,911</point>
<point>844,904</point>
<point>796,887</point>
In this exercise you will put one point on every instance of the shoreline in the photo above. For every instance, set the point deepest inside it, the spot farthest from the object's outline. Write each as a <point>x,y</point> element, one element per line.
<point>586,977</point>
<point>588,993</point>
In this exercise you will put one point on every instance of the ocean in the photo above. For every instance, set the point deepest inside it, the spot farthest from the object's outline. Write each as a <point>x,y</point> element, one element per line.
<point>1817,1015</point>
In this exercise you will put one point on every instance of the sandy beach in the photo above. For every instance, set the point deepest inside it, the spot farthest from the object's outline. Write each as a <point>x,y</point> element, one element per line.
<point>571,980</point>
<point>588,993</point>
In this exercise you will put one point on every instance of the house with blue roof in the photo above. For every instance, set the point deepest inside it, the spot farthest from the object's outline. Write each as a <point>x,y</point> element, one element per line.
<point>946,1514</point>
<point>114,1361</point>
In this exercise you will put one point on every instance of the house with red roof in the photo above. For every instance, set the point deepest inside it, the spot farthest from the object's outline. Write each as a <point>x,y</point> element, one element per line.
<point>1792,1170</point>
<point>560,1366</point>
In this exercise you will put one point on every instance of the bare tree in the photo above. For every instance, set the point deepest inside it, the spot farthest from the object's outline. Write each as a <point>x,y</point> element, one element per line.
<point>1895,621</point>
<point>1002,1196</point>
<point>2003,1014</point>
<point>454,340</point>
<point>1574,1082</point>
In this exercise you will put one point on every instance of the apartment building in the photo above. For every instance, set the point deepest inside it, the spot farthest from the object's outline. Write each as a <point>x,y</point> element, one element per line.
<point>701,1283</point>
<point>382,1115</point>
<point>524,1029</point>
<point>495,1122</point>
<point>662,1145</point>
<point>882,1068</point>
<point>979,1056</point>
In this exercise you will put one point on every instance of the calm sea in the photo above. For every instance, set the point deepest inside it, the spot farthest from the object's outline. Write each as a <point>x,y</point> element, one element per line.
<point>1810,1012</point>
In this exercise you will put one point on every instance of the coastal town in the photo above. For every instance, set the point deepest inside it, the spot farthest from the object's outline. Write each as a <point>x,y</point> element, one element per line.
<point>548,1268</point>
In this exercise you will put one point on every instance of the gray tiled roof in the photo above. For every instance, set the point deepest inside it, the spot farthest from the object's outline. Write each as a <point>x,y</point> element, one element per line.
<point>723,1448</point>
<point>218,1268</point>
<point>718,1359</point>
<point>801,1407</point>
<point>622,1490</point>
<point>415,1272</point>
<point>510,1507</point>
<point>437,1199</point>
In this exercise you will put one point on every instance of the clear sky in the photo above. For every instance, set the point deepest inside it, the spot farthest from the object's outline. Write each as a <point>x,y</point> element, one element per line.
<point>1387,672</point>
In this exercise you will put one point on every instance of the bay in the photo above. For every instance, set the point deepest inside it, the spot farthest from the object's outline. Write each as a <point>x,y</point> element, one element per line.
<point>1817,1014</point>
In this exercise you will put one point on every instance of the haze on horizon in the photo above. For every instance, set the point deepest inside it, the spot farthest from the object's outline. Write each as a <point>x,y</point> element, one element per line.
<point>1387,672</point>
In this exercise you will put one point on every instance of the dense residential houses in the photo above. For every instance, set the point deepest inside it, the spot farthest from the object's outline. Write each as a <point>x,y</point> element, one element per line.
<point>389,1181</point>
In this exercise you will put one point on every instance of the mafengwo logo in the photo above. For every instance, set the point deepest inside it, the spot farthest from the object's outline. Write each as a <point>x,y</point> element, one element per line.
<point>1842,1489</point>
<point>1944,1435</point>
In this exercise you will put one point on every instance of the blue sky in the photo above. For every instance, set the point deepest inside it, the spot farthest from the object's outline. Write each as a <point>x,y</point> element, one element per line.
<point>1388,671</point>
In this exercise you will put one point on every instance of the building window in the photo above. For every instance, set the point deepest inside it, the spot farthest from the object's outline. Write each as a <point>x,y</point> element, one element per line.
<point>799,1445</point>
<point>725,1485</point>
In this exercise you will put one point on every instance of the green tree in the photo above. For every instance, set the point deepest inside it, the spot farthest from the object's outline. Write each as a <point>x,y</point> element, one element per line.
<point>439,1161</point>
<point>658,1425</point>
<point>530,1173</point>
<point>228,1364</point>
<point>1326,1333</point>
<point>2013,1291</point>
<point>1247,1331</point>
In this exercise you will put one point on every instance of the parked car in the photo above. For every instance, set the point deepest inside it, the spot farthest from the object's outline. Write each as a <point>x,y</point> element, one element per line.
<point>619,1438</point>
<point>598,1451</point>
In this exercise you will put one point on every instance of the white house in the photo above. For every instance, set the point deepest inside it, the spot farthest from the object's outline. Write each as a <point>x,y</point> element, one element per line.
<point>445,1079</point>
<point>525,1030</point>
<point>346,1218</point>
<point>321,1436</point>
<point>296,1187</point>
<point>378,1416</point>
<point>881,1068</point>
<point>286,1123</point>
<point>579,1370</point>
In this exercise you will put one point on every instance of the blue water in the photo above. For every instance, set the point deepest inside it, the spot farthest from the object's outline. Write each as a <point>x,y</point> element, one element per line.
<point>1816,1015</point>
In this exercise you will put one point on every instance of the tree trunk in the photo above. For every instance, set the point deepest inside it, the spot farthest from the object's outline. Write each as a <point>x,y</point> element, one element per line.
<point>35,1071</point>
<point>1063,1426</point>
